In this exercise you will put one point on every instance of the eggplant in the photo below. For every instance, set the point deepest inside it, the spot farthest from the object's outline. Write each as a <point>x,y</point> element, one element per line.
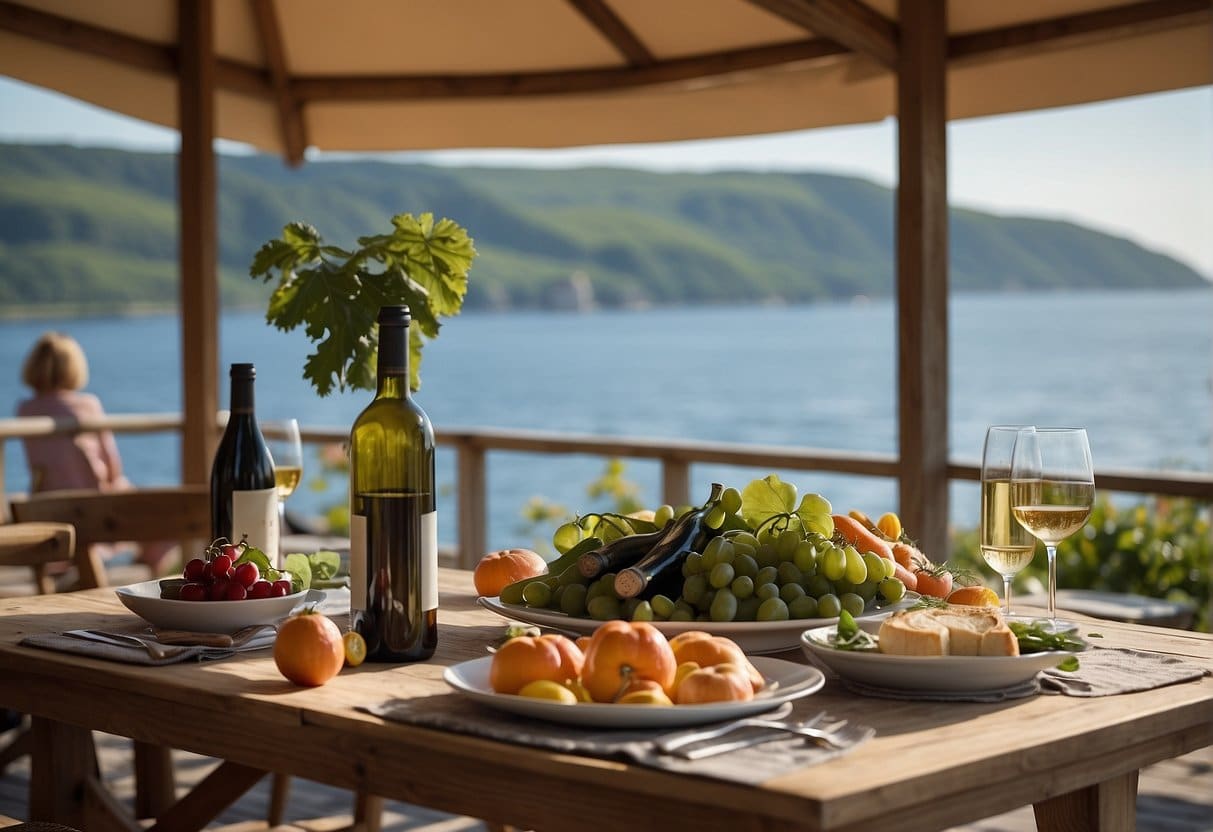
<point>663,563</point>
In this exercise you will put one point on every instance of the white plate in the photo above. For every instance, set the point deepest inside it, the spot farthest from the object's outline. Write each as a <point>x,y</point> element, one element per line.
<point>958,674</point>
<point>785,681</point>
<point>143,599</point>
<point>751,636</point>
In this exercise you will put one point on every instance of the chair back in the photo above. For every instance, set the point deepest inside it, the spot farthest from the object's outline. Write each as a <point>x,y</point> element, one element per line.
<point>140,515</point>
<point>35,545</point>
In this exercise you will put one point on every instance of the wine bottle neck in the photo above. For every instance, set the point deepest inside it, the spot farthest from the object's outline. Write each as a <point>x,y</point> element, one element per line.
<point>393,371</point>
<point>242,397</point>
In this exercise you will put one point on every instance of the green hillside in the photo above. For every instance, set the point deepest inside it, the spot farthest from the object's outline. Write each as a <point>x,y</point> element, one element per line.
<point>98,228</point>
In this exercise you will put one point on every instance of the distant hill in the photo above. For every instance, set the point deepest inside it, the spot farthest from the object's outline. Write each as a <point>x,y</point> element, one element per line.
<point>93,229</point>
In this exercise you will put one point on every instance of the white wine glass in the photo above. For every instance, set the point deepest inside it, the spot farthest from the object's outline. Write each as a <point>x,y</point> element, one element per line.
<point>1052,490</point>
<point>286,449</point>
<point>1006,545</point>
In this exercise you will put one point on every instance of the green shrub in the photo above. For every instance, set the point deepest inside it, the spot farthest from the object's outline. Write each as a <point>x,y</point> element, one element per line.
<point>1160,549</point>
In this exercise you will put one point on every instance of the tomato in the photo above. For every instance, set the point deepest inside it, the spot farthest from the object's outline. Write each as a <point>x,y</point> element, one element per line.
<point>718,683</point>
<point>309,649</point>
<point>621,650</point>
<point>707,650</point>
<point>497,570</point>
<point>936,582</point>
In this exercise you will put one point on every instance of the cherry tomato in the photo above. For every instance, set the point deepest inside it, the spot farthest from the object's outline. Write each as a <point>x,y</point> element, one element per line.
<point>937,585</point>
<point>193,592</point>
<point>261,589</point>
<point>236,592</point>
<point>193,569</point>
<point>246,574</point>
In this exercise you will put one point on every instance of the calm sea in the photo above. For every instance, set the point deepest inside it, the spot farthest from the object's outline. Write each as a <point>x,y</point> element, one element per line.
<point>1136,369</point>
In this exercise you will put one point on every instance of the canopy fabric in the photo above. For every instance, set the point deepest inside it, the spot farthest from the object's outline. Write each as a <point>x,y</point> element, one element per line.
<point>367,75</point>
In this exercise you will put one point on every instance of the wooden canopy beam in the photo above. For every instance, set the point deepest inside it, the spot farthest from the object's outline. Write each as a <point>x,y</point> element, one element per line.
<point>198,186</point>
<point>290,116</point>
<point>850,23</point>
<point>625,41</point>
<point>234,76</point>
<point>922,273</point>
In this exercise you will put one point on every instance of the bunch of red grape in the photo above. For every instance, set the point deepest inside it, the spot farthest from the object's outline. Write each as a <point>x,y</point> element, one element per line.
<point>220,578</point>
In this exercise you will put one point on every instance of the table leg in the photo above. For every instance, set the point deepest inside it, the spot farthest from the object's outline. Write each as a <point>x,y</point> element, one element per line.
<point>60,767</point>
<point>1110,806</point>
<point>155,789</point>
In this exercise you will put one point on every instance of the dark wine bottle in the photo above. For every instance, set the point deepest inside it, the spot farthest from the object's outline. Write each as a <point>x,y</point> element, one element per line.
<point>393,518</point>
<point>244,499</point>
<point>660,569</point>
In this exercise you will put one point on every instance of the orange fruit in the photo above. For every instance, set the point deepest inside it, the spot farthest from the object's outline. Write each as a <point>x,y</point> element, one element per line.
<point>309,649</point>
<point>499,569</point>
<point>621,652</point>
<point>527,659</point>
<point>355,648</point>
<point>974,596</point>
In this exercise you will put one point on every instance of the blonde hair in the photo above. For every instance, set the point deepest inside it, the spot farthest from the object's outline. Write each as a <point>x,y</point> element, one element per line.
<point>56,362</point>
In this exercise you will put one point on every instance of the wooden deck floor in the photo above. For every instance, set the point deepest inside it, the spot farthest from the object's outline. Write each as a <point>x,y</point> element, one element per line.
<point>1175,796</point>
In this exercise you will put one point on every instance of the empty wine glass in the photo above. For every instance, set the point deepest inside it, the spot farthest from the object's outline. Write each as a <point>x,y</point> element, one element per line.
<point>1005,544</point>
<point>286,448</point>
<point>1052,490</point>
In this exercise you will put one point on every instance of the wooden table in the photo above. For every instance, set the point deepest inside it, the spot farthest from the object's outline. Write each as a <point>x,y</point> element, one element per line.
<point>930,765</point>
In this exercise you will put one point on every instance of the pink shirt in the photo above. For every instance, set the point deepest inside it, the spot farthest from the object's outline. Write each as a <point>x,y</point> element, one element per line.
<point>86,460</point>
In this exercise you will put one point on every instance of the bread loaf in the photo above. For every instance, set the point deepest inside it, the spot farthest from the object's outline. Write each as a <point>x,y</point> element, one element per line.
<point>948,631</point>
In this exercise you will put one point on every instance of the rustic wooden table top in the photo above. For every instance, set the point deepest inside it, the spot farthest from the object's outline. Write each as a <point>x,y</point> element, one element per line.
<point>929,766</point>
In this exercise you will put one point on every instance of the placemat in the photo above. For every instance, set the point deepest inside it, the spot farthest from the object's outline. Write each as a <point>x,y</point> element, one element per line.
<point>757,764</point>
<point>1107,671</point>
<point>169,654</point>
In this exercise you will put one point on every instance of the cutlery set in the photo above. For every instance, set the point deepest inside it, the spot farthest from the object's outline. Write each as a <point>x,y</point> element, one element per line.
<point>162,643</point>
<point>742,733</point>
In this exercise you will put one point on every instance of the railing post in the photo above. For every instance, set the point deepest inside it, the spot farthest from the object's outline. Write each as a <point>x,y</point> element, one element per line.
<point>675,481</point>
<point>472,541</point>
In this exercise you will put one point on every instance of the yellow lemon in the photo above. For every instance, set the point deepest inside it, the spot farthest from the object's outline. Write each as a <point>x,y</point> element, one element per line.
<point>579,690</point>
<point>646,696</point>
<point>547,689</point>
<point>355,648</point>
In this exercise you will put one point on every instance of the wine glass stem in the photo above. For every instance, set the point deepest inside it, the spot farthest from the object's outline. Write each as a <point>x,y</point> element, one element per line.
<point>1051,551</point>
<point>1006,591</point>
<point>281,529</point>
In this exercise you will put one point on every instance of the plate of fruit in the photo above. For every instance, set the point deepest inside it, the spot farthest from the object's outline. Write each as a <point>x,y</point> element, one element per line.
<point>759,566</point>
<point>629,675</point>
<point>226,589</point>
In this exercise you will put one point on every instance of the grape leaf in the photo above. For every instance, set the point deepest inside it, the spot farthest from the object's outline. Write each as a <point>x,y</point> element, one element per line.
<point>335,295</point>
<point>815,515</point>
<point>300,569</point>
<point>765,498</point>
<point>324,564</point>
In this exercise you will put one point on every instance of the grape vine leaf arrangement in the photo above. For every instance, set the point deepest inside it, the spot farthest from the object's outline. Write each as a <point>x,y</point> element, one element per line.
<point>770,503</point>
<point>335,296</point>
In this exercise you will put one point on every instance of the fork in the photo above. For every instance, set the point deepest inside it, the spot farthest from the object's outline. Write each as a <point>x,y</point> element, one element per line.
<point>837,735</point>
<point>672,742</point>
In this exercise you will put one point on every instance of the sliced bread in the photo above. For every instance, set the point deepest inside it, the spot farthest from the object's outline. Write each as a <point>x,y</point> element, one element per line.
<point>948,631</point>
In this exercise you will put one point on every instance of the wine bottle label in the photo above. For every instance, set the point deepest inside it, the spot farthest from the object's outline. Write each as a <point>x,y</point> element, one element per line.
<point>358,582</point>
<point>429,560</point>
<point>255,519</point>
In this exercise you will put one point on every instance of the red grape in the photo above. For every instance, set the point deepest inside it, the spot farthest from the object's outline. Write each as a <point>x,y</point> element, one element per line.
<point>236,591</point>
<point>218,590</point>
<point>261,589</point>
<point>221,566</point>
<point>193,592</point>
<point>232,552</point>
<point>193,569</point>
<point>281,587</point>
<point>247,574</point>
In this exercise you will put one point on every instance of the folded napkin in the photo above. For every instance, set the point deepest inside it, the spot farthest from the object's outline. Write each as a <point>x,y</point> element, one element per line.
<point>752,765</point>
<point>148,651</point>
<point>1028,688</point>
<point>1106,671</point>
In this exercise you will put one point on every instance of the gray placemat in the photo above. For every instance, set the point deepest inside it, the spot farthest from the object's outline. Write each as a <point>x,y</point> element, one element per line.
<point>757,764</point>
<point>170,654</point>
<point>1107,671</point>
<point>1024,689</point>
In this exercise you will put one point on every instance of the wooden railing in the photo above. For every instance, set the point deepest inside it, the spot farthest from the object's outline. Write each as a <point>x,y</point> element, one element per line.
<point>472,446</point>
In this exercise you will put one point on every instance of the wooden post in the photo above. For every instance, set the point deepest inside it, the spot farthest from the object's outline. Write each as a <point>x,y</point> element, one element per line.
<point>922,273</point>
<point>473,503</point>
<point>197,184</point>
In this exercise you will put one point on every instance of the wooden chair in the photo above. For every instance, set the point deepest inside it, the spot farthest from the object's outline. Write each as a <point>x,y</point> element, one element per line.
<point>33,545</point>
<point>144,515</point>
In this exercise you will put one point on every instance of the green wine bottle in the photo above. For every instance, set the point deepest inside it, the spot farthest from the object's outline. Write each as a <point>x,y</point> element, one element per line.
<point>393,518</point>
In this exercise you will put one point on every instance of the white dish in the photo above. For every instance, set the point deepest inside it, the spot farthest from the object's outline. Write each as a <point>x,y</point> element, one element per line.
<point>954,674</point>
<point>143,599</point>
<point>785,681</point>
<point>751,636</point>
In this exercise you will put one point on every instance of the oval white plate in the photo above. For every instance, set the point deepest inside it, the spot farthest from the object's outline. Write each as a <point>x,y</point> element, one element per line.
<point>143,599</point>
<point>785,681</point>
<point>750,636</point>
<point>960,674</point>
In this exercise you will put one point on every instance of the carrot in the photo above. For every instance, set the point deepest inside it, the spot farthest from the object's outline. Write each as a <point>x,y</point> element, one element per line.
<point>910,579</point>
<point>908,556</point>
<point>860,537</point>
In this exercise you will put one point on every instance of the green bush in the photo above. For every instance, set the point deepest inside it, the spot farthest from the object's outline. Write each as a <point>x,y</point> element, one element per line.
<point>1160,549</point>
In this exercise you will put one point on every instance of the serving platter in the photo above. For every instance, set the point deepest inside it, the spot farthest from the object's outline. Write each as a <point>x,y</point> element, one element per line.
<point>754,637</point>
<point>937,674</point>
<point>785,681</point>
<point>143,599</point>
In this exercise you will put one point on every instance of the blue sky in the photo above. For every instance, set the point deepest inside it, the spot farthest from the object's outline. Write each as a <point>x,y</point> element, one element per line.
<point>1140,168</point>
